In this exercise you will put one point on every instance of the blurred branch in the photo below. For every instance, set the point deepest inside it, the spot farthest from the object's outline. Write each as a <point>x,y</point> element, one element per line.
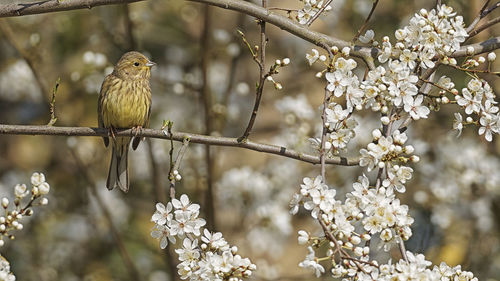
<point>127,260</point>
<point>156,179</point>
<point>9,34</point>
<point>363,27</point>
<point>129,28</point>
<point>48,6</point>
<point>177,136</point>
<point>207,100</point>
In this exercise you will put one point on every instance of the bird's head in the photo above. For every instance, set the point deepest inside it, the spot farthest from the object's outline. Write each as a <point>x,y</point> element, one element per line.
<point>133,66</point>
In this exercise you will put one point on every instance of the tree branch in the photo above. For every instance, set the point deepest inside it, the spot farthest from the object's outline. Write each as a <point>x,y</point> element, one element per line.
<point>177,136</point>
<point>48,6</point>
<point>479,48</point>
<point>289,25</point>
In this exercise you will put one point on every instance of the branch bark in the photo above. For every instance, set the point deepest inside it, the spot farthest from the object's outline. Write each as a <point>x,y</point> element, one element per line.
<point>177,136</point>
<point>48,6</point>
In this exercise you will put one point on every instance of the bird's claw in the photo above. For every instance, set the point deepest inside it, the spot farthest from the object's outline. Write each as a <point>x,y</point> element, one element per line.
<point>137,130</point>
<point>111,133</point>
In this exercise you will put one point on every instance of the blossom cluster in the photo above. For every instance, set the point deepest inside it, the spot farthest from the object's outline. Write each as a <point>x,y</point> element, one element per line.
<point>390,153</point>
<point>11,220</point>
<point>374,210</point>
<point>212,258</point>
<point>394,86</point>
<point>310,9</point>
<point>378,211</point>
<point>462,184</point>
<point>264,206</point>
<point>438,32</point>
<point>415,267</point>
<point>21,208</point>
<point>5,273</point>
<point>478,98</point>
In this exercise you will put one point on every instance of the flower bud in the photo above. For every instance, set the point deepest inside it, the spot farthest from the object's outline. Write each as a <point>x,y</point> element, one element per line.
<point>5,202</point>
<point>470,50</point>
<point>492,56</point>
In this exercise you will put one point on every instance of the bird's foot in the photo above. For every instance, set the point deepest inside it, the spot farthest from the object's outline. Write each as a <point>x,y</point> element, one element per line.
<point>136,130</point>
<point>111,133</point>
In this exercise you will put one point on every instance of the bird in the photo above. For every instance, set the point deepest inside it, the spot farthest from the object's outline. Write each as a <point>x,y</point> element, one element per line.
<point>124,102</point>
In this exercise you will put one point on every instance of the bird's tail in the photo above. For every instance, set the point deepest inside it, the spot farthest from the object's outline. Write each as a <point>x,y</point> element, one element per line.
<point>118,168</point>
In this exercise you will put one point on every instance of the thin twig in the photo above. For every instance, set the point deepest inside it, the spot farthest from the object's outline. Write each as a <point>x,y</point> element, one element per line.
<point>342,252</point>
<point>363,27</point>
<point>402,249</point>
<point>483,26</point>
<point>322,152</point>
<point>129,264</point>
<point>48,6</point>
<point>53,117</point>
<point>478,17</point>
<point>321,10</point>
<point>176,165</point>
<point>261,61</point>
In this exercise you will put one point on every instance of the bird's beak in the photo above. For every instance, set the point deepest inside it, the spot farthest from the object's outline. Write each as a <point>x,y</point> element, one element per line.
<point>150,64</point>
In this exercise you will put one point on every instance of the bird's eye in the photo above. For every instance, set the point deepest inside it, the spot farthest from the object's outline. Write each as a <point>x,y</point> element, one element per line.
<point>136,63</point>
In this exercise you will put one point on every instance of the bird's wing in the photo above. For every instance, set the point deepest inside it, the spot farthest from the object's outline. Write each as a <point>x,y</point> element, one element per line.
<point>102,95</point>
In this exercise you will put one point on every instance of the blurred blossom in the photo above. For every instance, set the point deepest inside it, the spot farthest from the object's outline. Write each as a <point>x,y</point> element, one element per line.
<point>298,105</point>
<point>17,82</point>
<point>242,89</point>
<point>5,274</point>
<point>218,76</point>
<point>93,82</point>
<point>159,275</point>
<point>233,112</point>
<point>34,39</point>
<point>118,208</point>
<point>233,49</point>
<point>95,59</point>
<point>75,76</point>
<point>178,88</point>
<point>221,36</point>
<point>463,179</point>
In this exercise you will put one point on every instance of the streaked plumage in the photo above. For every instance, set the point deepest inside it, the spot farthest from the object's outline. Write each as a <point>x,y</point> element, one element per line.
<point>124,102</point>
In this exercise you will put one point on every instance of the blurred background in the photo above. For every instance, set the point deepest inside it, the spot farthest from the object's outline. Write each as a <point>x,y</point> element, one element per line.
<point>89,233</point>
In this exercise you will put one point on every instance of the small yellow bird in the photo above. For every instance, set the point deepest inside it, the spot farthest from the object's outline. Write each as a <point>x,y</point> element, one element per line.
<point>124,102</point>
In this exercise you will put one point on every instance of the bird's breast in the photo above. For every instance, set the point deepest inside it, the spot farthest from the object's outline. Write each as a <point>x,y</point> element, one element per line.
<point>126,104</point>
